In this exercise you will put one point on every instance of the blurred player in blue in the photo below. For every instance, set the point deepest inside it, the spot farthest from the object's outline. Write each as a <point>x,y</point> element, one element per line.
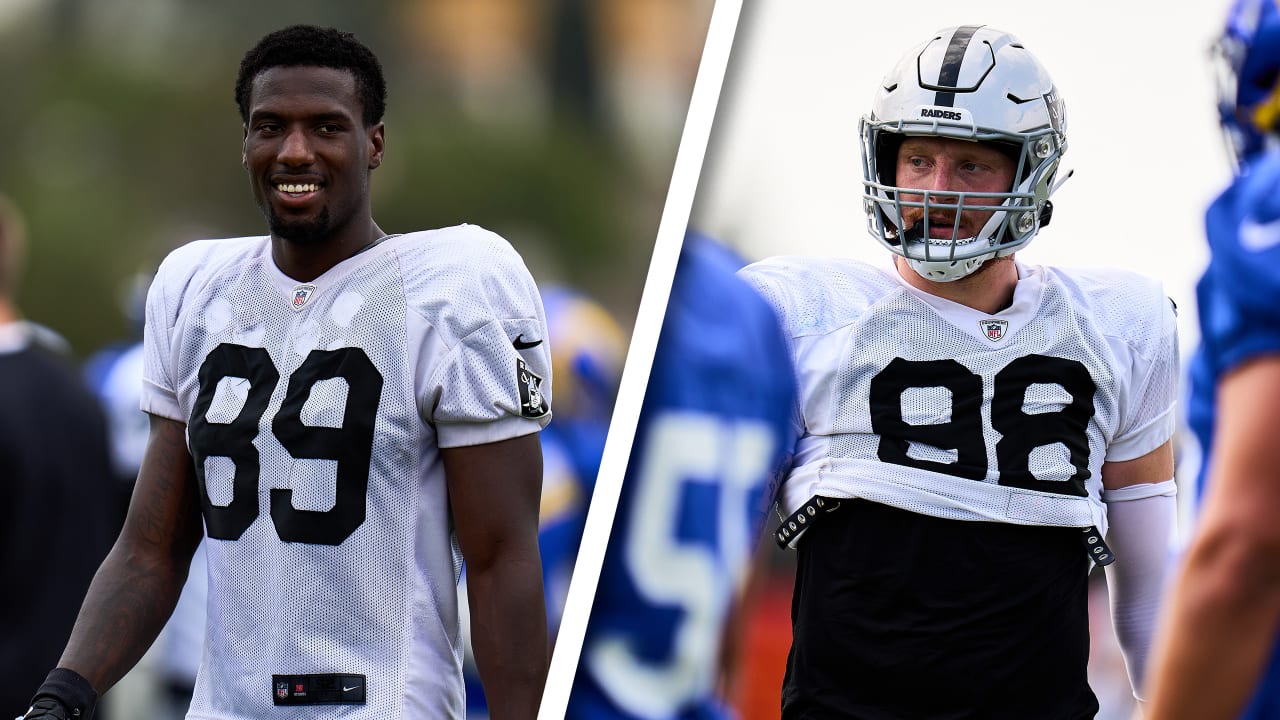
<point>715,429</point>
<point>587,350</point>
<point>1217,654</point>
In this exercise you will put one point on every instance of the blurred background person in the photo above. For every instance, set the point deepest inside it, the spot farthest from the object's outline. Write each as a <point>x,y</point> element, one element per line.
<point>55,473</point>
<point>715,431</point>
<point>587,350</point>
<point>1217,654</point>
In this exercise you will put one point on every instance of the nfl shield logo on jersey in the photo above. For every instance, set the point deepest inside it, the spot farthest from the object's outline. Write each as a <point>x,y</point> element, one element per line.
<point>282,690</point>
<point>301,295</point>
<point>993,329</point>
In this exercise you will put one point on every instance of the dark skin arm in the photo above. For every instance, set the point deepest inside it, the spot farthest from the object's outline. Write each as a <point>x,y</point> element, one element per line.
<point>494,492</point>
<point>137,586</point>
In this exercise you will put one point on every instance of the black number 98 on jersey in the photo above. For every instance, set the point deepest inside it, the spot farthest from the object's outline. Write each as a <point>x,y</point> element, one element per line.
<point>351,445</point>
<point>1020,432</point>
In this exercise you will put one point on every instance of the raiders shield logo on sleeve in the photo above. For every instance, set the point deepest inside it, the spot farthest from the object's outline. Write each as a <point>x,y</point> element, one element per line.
<point>532,403</point>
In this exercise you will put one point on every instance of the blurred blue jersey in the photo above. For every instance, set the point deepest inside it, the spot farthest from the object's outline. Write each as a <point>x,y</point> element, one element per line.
<point>587,351</point>
<point>714,430</point>
<point>1239,308</point>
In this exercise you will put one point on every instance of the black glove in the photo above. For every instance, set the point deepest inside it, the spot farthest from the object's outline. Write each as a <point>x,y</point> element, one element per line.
<point>46,708</point>
<point>65,695</point>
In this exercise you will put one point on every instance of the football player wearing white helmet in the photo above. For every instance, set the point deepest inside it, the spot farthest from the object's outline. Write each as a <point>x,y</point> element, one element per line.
<point>973,425</point>
<point>974,84</point>
<point>1218,653</point>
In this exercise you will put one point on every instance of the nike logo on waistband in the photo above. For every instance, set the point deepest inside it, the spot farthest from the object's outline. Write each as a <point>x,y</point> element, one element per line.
<point>521,344</point>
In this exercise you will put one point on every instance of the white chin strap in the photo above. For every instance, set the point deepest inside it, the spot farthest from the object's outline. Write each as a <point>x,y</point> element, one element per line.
<point>946,271</point>
<point>951,270</point>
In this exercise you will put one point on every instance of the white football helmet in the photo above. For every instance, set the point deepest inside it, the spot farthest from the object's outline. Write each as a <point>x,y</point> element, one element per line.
<point>974,83</point>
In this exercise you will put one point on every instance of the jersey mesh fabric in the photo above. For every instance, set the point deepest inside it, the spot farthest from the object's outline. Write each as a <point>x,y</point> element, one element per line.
<point>853,326</point>
<point>382,601</point>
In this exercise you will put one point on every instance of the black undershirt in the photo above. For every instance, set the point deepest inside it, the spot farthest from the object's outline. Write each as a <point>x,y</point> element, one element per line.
<point>901,615</point>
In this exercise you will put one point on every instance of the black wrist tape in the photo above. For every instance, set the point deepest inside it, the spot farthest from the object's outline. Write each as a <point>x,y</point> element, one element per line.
<point>72,690</point>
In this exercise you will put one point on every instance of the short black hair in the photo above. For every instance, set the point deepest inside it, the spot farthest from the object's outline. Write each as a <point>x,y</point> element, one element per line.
<point>308,45</point>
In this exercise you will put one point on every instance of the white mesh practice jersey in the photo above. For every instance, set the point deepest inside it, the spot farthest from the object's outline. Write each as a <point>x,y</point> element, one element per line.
<point>315,413</point>
<point>914,401</point>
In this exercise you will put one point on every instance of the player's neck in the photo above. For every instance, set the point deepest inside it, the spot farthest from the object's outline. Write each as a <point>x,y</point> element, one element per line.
<point>305,262</point>
<point>8,312</point>
<point>988,290</point>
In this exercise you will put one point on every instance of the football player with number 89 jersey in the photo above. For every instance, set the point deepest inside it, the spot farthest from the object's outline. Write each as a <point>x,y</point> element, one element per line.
<point>971,424</point>
<point>714,432</point>
<point>351,413</point>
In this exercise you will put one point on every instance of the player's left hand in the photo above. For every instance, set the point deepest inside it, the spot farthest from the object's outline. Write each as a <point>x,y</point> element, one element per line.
<point>46,708</point>
<point>65,695</point>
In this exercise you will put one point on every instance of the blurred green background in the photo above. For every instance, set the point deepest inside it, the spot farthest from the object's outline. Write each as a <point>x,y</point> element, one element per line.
<point>552,122</point>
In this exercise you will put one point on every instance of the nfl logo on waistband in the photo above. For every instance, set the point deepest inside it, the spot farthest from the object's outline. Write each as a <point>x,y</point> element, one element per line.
<point>993,329</point>
<point>282,690</point>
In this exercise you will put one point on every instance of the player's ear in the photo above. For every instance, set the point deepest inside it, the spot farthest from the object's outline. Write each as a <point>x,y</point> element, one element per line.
<point>376,137</point>
<point>244,147</point>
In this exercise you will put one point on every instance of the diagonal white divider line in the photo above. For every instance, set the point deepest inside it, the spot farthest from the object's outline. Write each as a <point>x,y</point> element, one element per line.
<point>644,339</point>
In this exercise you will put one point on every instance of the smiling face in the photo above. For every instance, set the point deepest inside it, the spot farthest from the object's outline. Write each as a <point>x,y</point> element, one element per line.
<point>308,153</point>
<point>950,164</point>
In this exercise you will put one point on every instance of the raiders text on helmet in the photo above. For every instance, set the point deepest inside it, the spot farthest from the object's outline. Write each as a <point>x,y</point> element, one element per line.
<point>973,83</point>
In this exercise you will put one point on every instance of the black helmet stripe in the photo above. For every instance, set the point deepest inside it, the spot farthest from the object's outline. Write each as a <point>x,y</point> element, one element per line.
<point>951,61</point>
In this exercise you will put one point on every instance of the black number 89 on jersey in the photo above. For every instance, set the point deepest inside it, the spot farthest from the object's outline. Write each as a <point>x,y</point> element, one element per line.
<point>350,445</point>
